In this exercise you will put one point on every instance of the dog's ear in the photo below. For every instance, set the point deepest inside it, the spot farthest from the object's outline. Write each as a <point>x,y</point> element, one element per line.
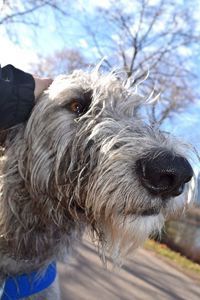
<point>7,135</point>
<point>3,135</point>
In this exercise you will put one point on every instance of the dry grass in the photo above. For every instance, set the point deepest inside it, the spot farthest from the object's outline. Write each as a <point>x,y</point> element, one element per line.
<point>180,261</point>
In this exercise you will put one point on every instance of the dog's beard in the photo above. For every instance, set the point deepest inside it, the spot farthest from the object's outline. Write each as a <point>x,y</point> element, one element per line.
<point>125,214</point>
<point>121,236</point>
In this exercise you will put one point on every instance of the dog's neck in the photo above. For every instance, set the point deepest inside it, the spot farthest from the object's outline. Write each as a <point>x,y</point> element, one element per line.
<point>29,230</point>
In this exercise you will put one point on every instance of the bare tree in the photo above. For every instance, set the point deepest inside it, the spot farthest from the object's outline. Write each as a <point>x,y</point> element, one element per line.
<point>61,62</point>
<point>160,37</point>
<point>32,14</point>
<point>139,35</point>
<point>19,12</point>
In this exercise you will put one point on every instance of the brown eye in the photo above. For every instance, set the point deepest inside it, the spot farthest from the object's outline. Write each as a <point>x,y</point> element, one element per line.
<point>76,107</point>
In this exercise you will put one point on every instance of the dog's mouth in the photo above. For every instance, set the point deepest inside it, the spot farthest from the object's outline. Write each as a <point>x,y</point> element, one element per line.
<point>150,212</point>
<point>153,211</point>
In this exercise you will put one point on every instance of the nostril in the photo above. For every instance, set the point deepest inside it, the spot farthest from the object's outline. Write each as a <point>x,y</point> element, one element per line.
<point>188,178</point>
<point>178,191</point>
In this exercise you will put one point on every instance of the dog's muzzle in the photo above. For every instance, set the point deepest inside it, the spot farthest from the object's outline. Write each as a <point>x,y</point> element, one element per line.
<point>164,174</point>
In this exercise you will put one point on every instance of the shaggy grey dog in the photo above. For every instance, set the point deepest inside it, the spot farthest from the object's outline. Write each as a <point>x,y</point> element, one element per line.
<point>84,159</point>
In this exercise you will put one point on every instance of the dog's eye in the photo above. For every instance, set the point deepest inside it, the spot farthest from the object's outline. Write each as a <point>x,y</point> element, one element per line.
<point>76,107</point>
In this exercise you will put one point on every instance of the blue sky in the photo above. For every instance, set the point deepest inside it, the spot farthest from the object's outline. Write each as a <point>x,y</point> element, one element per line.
<point>50,37</point>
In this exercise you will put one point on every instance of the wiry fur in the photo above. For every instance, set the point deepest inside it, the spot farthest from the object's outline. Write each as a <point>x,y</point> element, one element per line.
<point>61,173</point>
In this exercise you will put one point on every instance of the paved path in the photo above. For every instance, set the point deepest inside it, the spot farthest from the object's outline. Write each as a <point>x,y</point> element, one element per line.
<point>145,277</point>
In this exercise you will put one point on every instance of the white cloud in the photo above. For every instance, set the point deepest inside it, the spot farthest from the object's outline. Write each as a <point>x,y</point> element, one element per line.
<point>20,57</point>
<point>102,3</point>
<point>90,5</point>
<point>83,43</point>
<point>185,51</point>
<point>116,38</point>
<point>154,2</point>
<point>1,4</point>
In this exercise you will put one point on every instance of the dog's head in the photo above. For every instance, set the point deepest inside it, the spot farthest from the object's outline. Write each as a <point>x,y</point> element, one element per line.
<point>85,150</point>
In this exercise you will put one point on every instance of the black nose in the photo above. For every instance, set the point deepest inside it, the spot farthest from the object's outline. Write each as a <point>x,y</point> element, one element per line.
<point>165,174</point>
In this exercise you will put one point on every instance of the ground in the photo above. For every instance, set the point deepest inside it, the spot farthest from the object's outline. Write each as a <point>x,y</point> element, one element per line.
<point>144,277</point>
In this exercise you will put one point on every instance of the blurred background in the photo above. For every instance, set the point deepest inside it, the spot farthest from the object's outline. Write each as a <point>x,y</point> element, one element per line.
<point>158,37</point>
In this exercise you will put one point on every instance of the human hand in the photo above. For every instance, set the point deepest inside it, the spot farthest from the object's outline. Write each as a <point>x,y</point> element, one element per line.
<point>41,84</point>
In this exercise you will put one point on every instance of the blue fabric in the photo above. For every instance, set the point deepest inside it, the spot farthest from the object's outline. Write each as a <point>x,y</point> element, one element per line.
<point>26,285</point>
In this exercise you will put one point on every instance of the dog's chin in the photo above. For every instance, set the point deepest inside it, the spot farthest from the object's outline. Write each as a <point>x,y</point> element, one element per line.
<point>123,235</point>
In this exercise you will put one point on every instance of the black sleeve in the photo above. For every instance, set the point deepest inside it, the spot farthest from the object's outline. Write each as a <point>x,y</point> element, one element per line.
<point>16,96</point>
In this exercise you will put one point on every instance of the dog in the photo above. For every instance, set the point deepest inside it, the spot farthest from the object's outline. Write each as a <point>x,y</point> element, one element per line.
<point>84,159</point>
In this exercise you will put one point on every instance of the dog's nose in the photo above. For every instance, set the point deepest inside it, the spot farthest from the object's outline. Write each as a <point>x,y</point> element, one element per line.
<point>164,175</point>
